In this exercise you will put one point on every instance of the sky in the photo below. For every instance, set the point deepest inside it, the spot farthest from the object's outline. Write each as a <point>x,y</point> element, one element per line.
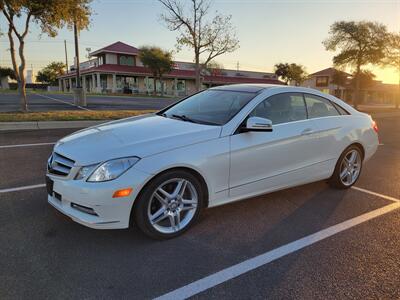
<point>269,31</point>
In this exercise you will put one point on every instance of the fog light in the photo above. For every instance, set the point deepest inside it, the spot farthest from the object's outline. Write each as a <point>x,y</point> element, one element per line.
<point>122,193</point>
<point>84,209</point>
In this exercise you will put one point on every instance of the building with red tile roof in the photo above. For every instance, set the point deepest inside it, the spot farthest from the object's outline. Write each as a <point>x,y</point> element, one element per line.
<point>377,92</point>
<point>117,68</point>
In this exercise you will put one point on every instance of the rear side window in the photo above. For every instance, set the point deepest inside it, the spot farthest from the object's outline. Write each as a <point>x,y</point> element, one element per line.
<point>341,110</point>
<point>318,107</point>
<point>282,108</point>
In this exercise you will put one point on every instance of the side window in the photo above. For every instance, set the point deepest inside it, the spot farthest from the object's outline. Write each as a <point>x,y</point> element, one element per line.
<point>319,107</point>
<point>341,110</point>
<point>282,108</point>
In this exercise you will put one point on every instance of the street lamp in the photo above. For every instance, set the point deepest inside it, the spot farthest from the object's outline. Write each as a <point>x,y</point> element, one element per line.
<point>88,50</point>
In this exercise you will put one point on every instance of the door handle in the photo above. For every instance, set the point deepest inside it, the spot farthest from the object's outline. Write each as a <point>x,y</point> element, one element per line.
<point>307,131</point>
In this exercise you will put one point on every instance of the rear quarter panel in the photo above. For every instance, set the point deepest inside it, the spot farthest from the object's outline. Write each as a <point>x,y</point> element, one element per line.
<point>339,132</point>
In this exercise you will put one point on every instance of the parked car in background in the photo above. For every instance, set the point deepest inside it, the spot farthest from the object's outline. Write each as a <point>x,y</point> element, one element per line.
<point>223,144</point>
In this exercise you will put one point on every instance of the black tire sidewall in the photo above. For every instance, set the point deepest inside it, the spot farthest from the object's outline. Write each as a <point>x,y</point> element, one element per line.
<point>140,209</point>
<point>335,179</point>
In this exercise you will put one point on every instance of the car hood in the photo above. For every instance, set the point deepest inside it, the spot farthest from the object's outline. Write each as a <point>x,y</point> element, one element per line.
<point>137,136</point>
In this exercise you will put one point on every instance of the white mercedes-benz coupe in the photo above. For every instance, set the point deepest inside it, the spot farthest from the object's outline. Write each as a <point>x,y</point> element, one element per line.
<point>158,171</point>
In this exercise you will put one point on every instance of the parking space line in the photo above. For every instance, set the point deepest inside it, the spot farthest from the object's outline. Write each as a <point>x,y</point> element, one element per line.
<point>25,145</point>
<point>375,194</point>
<point>65,102</point>
<point>234,271</point>
<point>21,188</point>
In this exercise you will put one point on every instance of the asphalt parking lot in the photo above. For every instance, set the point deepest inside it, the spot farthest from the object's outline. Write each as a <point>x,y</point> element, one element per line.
<point>48,102</point>
<point>309,242</point>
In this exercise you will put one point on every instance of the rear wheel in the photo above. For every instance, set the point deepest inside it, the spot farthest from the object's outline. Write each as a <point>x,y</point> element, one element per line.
<point>169,205</point>
<point>348,168</point>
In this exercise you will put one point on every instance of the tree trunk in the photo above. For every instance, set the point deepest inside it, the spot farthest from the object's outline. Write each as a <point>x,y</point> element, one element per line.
<point>357,88</point>
<point>22,80</point>
<point>22,95</point>
<point>12,52</point>
<point>155,85</point>
<point>162,87</point>
<point>197,70</point>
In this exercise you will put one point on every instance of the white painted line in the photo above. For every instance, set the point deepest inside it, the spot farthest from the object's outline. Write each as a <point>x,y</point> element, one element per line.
<point>25,145</point>
<point>65,102</point>
<point>234,271</point>
<point>21,188</point>
<point>375,194</point>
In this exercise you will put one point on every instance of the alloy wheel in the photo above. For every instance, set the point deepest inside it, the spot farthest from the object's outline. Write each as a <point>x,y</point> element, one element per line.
<point>350,167</point>
<point>172,205</point>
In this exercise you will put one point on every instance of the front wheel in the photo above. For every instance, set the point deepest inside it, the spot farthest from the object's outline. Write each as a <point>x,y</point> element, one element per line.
<point>348,168</point>
<point>169,205</point>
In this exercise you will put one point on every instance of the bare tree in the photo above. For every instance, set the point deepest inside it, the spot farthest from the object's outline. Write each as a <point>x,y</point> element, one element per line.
<point>208,37</point>
<point>50,15</point>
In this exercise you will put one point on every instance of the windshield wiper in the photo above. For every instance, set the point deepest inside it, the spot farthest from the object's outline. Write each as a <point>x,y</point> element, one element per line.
<point>187,119</point>
<point>184,118</point>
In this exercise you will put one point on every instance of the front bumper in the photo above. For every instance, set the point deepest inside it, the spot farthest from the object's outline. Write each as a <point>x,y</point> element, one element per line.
<point>100,210</point>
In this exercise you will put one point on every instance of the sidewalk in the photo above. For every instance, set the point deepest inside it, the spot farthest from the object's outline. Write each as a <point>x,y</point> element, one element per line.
<point>48,125</point>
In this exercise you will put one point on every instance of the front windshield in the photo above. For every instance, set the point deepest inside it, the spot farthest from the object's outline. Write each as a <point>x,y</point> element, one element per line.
<point>214,107</point>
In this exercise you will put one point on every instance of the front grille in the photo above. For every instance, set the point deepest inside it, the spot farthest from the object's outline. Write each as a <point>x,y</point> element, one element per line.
<point>59,164</point>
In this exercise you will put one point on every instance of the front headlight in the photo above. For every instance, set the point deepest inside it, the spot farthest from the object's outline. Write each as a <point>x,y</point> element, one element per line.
<point>111,169</point>
<point>85,171</point>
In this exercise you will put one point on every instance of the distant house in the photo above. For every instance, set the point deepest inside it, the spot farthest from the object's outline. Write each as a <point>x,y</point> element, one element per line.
<point>378,92</point>
<point>117,69</point>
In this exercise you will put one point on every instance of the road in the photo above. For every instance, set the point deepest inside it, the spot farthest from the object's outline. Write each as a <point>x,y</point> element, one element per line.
<point>315,242</point>
<point>50,102</point>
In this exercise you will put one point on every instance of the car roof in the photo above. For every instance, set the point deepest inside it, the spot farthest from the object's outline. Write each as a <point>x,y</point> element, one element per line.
<point>246,88</point>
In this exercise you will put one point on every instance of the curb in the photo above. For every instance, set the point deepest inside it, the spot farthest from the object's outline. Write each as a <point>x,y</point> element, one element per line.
<point>48,125</point>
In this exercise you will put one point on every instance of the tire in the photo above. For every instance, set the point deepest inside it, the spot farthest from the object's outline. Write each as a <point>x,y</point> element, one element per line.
<point>169,204</point>
<point>347,170</point>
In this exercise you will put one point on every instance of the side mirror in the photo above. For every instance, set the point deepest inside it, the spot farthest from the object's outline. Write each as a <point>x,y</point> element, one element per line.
<point>257,124</point>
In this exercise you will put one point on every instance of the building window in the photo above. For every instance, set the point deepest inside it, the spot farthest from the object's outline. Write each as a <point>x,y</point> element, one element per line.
<point>322,81</point>
<point>126,60</point>
<point>181,85</point>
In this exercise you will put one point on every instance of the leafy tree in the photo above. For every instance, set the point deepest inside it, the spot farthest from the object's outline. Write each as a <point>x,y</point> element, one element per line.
<point>49,15</point>
<point>212,69</point>
<point>7,72</point>
<point>158,61</point>
<point>208,37</point>
<point>360,44</point>
<point>50,73</point>
<point>340,79</point>
<point>392,57</point>
<point>366,79</point>
<point>291,73</point>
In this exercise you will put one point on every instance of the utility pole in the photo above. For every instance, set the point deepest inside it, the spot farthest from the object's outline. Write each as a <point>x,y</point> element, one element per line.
<point>237,66</point>
<point>77,69</point>
<point>66,55</point>
<point>80,93</point>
